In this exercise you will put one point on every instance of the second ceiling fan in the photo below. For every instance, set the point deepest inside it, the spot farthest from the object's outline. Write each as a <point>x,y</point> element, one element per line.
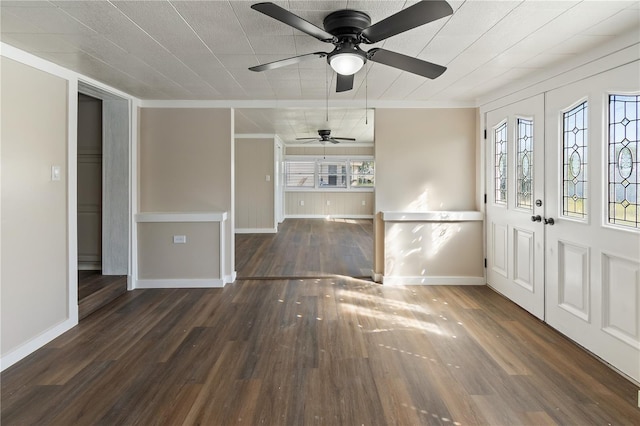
<point>325,136</point>
<point>346,29</point>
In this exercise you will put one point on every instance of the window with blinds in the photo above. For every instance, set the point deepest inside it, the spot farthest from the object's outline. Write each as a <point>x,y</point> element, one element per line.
<point>336,174</point>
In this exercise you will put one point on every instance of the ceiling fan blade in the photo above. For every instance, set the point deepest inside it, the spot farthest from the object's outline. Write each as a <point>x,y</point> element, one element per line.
<point>406,63</point>
<point>289,61</point>
<point>344,139</point>
<point>332,140</point>
<point>344,83</point>
<point>293,20</point>
<point>414,16</point>
<point>307,139</point>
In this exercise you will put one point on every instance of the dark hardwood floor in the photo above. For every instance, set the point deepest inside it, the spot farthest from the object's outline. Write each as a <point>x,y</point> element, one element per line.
<point>96,290</point>
<point>313,351</point>
<point>308,248</point>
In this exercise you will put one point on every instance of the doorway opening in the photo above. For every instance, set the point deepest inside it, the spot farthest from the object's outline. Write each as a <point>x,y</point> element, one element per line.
<point>102,198</point>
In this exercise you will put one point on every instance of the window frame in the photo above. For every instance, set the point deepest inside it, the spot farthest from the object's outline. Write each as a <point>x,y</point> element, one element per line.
<point>606,223</point>
<point>586,218</point>
<point>336,159</point>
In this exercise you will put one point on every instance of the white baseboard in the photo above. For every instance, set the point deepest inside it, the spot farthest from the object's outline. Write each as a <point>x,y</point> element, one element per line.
<point>329,216</point>
<point>178,283</point>
<point>36,343</point>
<point>256,231</point>
<point>228,279</point>
<point>400,280</point>
<point>89,266</point>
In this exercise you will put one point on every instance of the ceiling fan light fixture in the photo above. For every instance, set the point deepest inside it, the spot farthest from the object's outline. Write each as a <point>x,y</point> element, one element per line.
<point>346,63</point>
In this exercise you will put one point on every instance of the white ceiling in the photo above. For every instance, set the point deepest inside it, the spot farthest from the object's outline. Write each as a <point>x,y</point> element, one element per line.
<point>200,50</point>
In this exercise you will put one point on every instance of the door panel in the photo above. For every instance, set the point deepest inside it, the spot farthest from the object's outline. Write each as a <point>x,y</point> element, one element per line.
<point>515,171</point>
<point>592,267</point>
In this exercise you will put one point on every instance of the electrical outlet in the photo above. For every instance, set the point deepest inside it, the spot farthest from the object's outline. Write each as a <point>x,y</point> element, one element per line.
<point>302,202</point>
<point>328,202</point>
<point>364,203</point>
<point>179,239</point>
<point>268,178</point>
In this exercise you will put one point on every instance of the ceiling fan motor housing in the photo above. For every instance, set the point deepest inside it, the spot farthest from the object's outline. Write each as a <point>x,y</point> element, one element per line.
<point>346,22</point>
<point>346,25</point>
<point>324,133</point>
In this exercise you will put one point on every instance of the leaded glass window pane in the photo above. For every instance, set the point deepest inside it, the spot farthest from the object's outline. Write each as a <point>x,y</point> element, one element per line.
<point>300,174</point>
<point>574,153</point>
<point>624,181</point>
<point>524,167</point>
<point>500,163</point>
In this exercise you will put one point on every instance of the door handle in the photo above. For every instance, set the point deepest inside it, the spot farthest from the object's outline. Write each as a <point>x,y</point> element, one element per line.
<point>536,218</point>
<point>549,221</point>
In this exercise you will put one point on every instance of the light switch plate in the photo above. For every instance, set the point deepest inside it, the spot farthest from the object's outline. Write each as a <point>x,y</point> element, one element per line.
<point>56,173</point>
<point>268,178</point>
<point>179,239</point>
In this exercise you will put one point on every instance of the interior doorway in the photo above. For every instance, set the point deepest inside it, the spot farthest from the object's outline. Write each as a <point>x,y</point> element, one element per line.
<point>103,207</point>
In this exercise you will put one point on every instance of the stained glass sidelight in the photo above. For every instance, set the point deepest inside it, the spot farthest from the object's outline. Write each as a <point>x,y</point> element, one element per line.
<point>574,156</point>
<point>500,163</point>
<point>524,164</point>
<point>623,176</point>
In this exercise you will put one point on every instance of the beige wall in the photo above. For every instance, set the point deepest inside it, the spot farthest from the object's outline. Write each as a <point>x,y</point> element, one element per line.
<point>159,258</point>
<point>34,264</point>
<point>185,165</point>
<point>254,206</point>
<point>425,161</point>
<point>342,204</point>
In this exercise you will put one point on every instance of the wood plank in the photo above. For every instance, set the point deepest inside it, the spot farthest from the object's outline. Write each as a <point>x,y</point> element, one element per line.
<point>319,351</point>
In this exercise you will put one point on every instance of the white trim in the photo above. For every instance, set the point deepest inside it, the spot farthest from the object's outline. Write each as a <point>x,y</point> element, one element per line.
<point>256,231</point>
<point>37,342</point>
<point>325,189</point>
<point>418,280</point>
<point>89,266</point>
<point>328,157</point>
<point>228,279</point>
<point>329,216</point>
<point>293,103</point>
<point>157,217</point>
<point>254,136</point>
<point>72,200</point>
<point>18,55</point>
<point>180,283</point>
<point>133,193</point>
<point>433,216</point>
<point>340,145</point>
<point>376,277</point>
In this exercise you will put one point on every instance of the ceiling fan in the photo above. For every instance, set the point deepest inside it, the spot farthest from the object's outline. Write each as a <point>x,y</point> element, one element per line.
<point>346,29</point>
<point>325,136</point>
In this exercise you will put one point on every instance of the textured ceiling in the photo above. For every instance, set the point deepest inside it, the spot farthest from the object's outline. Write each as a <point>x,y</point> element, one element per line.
<point>200,50</point>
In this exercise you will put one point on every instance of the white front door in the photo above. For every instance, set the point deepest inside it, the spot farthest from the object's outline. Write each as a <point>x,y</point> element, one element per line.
<point>515,195</point>
<point>591,186</point>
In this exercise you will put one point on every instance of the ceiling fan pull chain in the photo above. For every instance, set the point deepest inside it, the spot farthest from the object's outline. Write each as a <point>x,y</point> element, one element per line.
<point>326,73</point>
<point>366,94</point>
